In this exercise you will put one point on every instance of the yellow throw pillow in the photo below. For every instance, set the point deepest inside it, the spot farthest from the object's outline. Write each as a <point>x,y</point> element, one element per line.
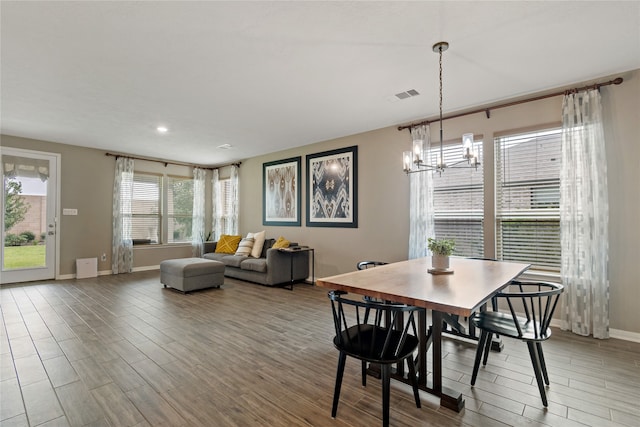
<point>281,243</point>
<point>228,244</point>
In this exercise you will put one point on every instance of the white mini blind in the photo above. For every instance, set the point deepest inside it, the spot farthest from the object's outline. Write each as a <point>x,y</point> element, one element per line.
<point>458,199</point>
<point>528,198</point>
<point>146,208</point>
<point>225,203</point>
<point>227,197</point>
<point>179,209</point>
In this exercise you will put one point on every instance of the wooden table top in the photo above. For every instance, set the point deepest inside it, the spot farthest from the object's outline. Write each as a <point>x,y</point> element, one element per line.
<point>471,285</point>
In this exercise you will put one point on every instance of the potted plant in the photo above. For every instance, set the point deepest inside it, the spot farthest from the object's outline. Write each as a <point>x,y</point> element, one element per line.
<point>440,249</point>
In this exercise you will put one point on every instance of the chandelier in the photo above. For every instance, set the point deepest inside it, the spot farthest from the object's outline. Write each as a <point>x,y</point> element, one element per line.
<point>414,160</point>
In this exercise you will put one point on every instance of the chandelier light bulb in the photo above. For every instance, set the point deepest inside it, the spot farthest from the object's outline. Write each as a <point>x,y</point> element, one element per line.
<point>407,160</point>
<point>418,151</point>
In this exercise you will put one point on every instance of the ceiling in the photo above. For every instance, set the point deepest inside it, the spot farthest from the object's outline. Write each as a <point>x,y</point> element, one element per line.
<point>266,76</point>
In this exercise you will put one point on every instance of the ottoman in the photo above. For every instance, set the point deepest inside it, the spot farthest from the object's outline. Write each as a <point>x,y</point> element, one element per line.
<point>190,274</point>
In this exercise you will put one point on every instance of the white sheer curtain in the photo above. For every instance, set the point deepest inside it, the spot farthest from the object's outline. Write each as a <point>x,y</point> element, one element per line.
<point>122,247</point>
<point>232,225</point>
<point>216,208</point>
<point>197,224</point>
<point>584,216</point>
<point>421,224</point>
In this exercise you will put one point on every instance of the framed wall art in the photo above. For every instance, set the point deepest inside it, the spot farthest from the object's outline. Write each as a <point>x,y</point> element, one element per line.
<point>281,192</point>
<point>332,188</point>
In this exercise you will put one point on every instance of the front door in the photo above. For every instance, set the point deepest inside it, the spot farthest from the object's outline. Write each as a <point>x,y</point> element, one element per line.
<point>29,206</point>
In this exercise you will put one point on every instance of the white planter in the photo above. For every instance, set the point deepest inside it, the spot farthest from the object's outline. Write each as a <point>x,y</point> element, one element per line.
<point>440,262</point>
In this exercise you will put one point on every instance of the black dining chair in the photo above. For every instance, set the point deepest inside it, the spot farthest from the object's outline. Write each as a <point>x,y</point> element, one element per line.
<point>363,333</point>
<point>531,307</point>
<point>363,265</point>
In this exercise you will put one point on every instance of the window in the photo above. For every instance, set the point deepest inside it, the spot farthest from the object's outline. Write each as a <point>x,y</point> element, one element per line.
<point>458,201</point>
<point>161,203</point>
<point>179,209</point>
<point>224,204</point>
<point>528,198</point>
<point>146,208</point>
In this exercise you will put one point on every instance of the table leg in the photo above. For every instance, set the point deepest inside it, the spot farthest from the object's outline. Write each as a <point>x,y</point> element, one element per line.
<point>313,266</point>
<point>291,271</point>
<point>422,350</point>
<point>448,398</point>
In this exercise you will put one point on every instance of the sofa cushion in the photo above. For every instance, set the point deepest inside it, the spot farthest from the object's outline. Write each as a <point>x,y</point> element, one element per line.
<point>255,264</point>
<point>214,256</point>
<point>233,260</point>
<point>245,246</point>
<point>267,245</point>
<point>228,244</point>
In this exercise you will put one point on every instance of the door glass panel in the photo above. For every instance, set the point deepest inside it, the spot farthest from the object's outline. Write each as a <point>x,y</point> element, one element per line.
<point>25,207</point>
<point>28,234</point>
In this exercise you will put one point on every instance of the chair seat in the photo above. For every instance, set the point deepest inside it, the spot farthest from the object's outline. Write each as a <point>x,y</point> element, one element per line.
<point>503,324</point>
<point>366,342</point>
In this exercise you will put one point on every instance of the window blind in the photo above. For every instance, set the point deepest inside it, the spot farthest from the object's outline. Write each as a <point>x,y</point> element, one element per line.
<point>145,208</point>
<point>528,198</point>
<point>458,200</point>
<point>225,200</point>
<point>179,209</point>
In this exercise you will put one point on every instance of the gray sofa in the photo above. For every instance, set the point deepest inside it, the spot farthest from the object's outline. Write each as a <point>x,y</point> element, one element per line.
<point>272,268</point>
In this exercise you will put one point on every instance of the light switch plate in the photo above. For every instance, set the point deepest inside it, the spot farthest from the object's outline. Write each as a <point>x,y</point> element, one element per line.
<point>69,211</point>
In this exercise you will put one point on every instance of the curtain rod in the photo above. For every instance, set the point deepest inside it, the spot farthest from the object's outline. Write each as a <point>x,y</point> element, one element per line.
<point>165,162</point>
<point>487,110</point>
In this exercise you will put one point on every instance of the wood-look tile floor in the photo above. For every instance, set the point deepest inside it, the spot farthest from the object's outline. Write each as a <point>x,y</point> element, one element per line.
<point>124,351</point>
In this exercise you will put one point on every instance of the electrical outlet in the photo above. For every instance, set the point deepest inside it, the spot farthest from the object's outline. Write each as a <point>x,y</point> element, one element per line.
<point>103,257</point>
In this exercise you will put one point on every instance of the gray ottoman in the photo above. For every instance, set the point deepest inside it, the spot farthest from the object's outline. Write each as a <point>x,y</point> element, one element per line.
<point>190,274</point>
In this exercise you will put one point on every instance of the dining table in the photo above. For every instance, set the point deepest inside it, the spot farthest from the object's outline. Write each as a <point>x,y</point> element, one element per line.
<point>465,288</point>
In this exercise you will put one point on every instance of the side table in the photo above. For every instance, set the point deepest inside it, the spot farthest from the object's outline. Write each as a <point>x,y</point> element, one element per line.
<point>294,250</point>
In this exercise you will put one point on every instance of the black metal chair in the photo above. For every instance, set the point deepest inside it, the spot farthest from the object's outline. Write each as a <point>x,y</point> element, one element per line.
<point>536,302</point>
<point>363,333</point>
<point>363,265</point>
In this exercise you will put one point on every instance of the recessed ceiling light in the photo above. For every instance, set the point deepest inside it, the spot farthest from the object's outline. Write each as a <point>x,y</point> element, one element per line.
<point>162,129</point>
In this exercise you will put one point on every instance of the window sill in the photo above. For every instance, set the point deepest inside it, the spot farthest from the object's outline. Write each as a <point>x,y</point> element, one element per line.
<point>162,246</point>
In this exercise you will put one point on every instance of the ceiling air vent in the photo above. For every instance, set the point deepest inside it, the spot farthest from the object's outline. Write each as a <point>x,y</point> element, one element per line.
<point>404,95</point>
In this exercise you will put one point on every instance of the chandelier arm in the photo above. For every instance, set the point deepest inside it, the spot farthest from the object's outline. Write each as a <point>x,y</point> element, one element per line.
<point>459,165</point>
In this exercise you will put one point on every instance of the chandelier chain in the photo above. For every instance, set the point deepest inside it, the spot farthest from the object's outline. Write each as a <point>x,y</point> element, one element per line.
<point>441,83</point>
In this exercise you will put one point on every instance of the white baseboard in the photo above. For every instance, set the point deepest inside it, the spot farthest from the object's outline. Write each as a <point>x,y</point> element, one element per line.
<point>613,333</point>
<point>146,268</point>
<point>624,335</point>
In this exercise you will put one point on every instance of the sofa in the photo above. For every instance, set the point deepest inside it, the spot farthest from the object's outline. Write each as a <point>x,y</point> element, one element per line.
<point>272,268</point>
